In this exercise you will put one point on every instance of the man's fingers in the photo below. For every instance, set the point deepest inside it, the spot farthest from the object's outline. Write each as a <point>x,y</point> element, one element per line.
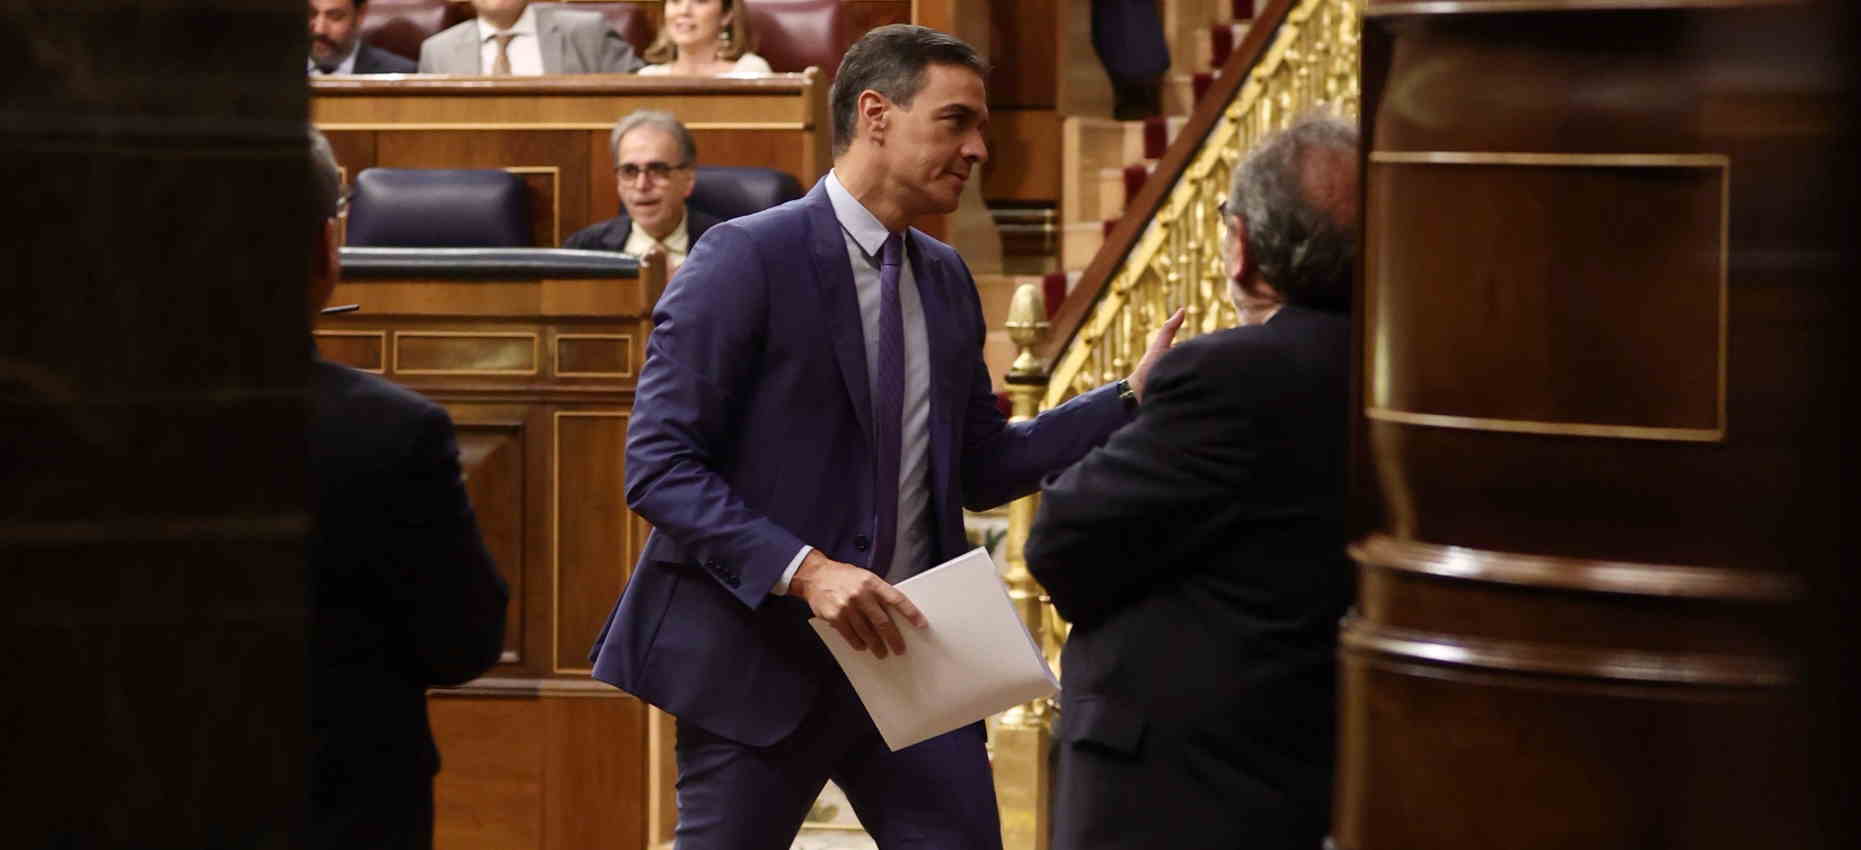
<point>1167,333</point>
<point>883,627</point>
<point>855,617</point>
<point>902,604</point>
<point>846,632</point>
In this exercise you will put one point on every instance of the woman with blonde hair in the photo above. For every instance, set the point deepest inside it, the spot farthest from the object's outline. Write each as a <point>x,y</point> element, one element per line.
<point>704,38</point>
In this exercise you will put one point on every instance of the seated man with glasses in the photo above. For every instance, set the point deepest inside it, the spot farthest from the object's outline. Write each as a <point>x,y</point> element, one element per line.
<point>654,162</point>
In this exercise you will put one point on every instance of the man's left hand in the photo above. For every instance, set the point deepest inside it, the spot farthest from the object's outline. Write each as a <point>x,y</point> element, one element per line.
<point>1159,343</point>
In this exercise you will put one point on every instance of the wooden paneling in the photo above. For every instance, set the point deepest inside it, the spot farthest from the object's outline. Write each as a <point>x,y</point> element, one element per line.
<point>1564,335</point>
<point>544,770</point>
<point>1023,54</point>
<point>595,547</point>
<point>491,453</point>
<point>1024,156</point>
<point>864,15</point>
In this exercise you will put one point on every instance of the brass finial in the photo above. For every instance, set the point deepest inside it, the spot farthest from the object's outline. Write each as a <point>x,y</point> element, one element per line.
<point>1027,326</point>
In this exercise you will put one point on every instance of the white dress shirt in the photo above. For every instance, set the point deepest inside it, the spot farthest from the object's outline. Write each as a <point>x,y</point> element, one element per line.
<point>865,236</point>
<point>677,243</point>
<point>525,51</point>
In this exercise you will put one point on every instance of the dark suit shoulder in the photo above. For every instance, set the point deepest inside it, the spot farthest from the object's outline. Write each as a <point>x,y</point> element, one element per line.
<point>365,419</point>
<point>609,235</point>
<point>375,60</point>
<point>1296,338</point>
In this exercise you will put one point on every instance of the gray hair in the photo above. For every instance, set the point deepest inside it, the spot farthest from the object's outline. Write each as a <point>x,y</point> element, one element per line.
<point>891,60</point>
<point>1296,195</point>
<point>325,178</point>
<point>664,121</point>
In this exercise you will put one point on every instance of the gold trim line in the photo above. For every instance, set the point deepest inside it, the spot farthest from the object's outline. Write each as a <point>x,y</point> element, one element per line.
<point>1562,429</point>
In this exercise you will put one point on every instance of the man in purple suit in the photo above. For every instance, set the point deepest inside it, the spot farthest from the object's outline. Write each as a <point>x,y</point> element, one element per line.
<point>811,418</point>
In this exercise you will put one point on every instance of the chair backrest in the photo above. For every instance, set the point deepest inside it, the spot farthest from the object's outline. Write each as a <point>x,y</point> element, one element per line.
<point>628,19</point>
<point>399,26</point>
<point>728,191</point>
<point>439,208</point>
<point>794,34</point>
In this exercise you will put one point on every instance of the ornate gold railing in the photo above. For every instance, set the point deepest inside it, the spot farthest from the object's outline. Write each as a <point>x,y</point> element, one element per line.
<point>1299,57</point>
<point>1310,66</point>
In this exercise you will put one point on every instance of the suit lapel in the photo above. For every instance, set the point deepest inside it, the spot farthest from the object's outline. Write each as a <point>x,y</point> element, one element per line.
<point>550,41</point>
<point>465,49</point>
<point>834,277</point>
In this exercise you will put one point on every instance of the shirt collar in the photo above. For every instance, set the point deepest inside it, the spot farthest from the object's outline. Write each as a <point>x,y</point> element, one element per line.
<point>865,228</point>
<point>678,241</point>
<point>525,25</point>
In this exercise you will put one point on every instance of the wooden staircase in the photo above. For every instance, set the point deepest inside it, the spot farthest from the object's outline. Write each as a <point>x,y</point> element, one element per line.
<point>1105,162</point>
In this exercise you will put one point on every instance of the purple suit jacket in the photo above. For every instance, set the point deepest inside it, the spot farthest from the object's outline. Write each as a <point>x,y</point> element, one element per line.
<point>752,435</point>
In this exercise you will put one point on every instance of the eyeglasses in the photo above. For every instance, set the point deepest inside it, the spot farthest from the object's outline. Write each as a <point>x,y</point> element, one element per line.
<point>656,170</point>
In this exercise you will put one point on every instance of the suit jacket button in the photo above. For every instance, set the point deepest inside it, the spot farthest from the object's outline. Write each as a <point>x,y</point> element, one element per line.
<point>731,580</point>
<point>862,543</point>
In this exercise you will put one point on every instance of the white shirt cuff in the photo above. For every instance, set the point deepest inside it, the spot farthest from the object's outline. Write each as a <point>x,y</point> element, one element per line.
<point>781,584</point>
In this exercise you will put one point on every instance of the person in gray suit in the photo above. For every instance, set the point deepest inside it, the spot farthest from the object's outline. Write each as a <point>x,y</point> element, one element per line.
<point>516,37</point>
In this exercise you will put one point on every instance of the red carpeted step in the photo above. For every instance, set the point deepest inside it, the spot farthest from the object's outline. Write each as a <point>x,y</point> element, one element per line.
<point>1220,43</point>
<point>1134,176</point>
<point>1053,288</point>
<point>1199,84</point>
<point>1106,226</point>
<point>1243,10</point>
<point>1156,136</point>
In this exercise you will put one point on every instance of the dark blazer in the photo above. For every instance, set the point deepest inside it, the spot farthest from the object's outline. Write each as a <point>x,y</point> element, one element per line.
<point>374,60</point>
<point>751,435</point>
<point>404,597</point>
<point>611,235</point>
<point>1200,557</point>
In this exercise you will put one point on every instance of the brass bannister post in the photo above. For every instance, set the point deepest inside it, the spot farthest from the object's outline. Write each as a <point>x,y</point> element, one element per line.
<point>1019,738</point>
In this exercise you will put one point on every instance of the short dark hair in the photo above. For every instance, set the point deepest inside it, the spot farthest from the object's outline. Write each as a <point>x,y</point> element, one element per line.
<point>665,122</point>
<point>1296,195</point>
<point>891,60</point>
<point>325,179</point>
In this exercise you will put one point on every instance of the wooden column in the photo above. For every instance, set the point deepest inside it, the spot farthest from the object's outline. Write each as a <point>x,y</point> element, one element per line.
<point>1600,313</point>
<point>153,353</point>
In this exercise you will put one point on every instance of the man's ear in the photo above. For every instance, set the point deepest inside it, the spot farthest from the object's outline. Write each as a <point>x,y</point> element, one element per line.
<point>1243,265</point>
<point>872,110</point>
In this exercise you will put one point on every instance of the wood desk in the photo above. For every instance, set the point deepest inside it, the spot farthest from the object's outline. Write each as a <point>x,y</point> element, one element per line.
<point>553,131</point>
<point>538,375</point>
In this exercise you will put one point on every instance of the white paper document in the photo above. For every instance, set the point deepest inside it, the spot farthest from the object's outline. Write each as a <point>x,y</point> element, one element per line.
<point>975,658</point>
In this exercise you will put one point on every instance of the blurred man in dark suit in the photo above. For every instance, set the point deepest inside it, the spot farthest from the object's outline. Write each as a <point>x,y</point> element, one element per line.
<point>336,43</point>
<point>655,164</point>
<point>404,595</point>
<point>1200,552</point>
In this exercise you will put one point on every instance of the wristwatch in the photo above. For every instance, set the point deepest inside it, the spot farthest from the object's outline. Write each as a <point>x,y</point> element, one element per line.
<point>1127,395</point>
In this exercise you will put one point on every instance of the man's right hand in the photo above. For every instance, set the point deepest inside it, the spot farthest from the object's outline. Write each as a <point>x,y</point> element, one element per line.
<point>855,602</point>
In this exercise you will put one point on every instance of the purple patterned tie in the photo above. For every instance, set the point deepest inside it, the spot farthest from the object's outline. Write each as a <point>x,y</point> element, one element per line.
<point>888,402</point>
